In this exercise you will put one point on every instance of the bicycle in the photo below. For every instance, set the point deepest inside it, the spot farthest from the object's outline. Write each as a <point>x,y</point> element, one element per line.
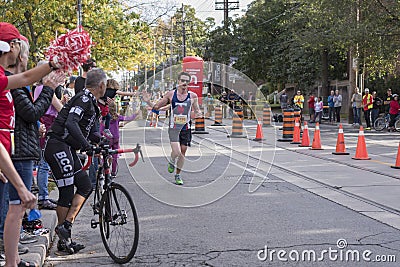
<point>383,122</point>
<point>119,224</point>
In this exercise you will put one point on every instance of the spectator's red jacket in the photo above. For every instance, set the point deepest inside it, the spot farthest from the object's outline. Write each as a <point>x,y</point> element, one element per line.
<point>394,107</point>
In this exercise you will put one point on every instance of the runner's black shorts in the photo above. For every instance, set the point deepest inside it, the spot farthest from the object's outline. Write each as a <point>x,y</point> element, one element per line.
<point>184,137</point>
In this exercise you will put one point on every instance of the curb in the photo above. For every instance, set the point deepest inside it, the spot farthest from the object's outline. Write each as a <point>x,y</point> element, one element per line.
<point>38,250</point>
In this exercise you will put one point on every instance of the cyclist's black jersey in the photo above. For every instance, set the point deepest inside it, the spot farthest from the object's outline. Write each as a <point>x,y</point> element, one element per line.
<point>75,122</point>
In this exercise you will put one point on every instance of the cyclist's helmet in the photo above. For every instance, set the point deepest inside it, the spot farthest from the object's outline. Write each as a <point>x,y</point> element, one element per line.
<point>394,95</point>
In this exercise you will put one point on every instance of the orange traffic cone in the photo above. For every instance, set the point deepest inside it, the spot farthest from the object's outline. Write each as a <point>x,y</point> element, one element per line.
<point>259,133</point>
<point>296,134</point>
<point>305,140</point>
<point>316,142</point>
<point>340,146</point>
<point>397,166</point>
<point>361,151</point>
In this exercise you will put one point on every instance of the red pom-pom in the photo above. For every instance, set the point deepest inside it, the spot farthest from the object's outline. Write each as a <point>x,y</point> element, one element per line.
<point>70,50</point>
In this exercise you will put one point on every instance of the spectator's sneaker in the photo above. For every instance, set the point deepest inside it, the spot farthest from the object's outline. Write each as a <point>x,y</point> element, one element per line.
<point>107,133</point>
<point>31,226</point>
<point>367,128</point>
<point>21,248</point>
<point>171,167</point>
<point>47,205</point>
<point>178,179</point>
<point>27,238</point>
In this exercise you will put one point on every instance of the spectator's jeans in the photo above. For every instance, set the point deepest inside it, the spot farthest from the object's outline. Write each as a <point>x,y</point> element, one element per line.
<point>230,111</point>
<point>312,114</point>
<point>357,114</point>
<point>25,170</point>
<point>4,198</point>
<point>367,115</point>
<point>318,116</point>
<point>331,114</point>
<point>374,115</point>
<point>337,111</point>
<point>223,110</point>
<point>43,179</point>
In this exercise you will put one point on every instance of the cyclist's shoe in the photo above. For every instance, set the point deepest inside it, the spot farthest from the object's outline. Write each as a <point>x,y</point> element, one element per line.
<point>107,133</point>
<point>63,233</point>
<point>69,247</point>
<point>171,167</point>
<point>178,179</point>
<point>367,128</point>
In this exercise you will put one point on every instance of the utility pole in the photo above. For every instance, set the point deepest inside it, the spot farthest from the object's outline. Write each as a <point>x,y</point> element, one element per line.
<point>184,34</point>
<point>79,21</point>
<point>171,51</point>
<point>226,5</point>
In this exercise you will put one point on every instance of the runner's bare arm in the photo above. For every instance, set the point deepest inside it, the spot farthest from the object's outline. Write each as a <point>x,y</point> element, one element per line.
<point>196,107</point>
<point>161,103</point>
<point>123,93</point>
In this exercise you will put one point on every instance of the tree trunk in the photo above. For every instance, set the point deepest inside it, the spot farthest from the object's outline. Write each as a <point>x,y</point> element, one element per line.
<point>352,83</point>
<point>324,73</point>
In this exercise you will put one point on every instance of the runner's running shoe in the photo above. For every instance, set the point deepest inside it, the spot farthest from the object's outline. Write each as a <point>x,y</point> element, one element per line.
<point>178,179</point>
<point>171,167</point>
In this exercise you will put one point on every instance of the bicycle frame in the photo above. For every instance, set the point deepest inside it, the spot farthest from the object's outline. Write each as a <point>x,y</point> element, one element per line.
<point>107,202</point>
<point>103,172</point>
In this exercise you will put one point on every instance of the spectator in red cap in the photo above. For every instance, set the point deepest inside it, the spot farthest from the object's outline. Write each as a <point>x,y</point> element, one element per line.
<point>10,47</point>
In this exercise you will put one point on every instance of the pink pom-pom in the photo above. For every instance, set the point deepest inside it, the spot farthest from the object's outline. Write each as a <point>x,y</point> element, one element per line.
<point>70,50</point>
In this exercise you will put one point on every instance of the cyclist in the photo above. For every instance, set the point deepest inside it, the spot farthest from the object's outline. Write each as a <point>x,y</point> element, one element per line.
<point>393,111</point>
<point>74,124</point>
<point>181,101</point>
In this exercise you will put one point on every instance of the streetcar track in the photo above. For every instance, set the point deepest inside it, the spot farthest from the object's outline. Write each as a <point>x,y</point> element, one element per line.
<point>302,152</point>
<point>307,178</point>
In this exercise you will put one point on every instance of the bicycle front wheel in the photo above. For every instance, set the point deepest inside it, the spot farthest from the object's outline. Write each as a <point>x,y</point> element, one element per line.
<point>379,124</point>
<point>119,225</point>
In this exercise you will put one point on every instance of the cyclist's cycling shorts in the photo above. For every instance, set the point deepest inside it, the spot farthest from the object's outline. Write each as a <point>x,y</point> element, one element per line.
<point>63,161</point>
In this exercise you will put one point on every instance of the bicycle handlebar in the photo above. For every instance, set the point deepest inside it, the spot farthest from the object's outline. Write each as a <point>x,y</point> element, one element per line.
<point>103,148</point>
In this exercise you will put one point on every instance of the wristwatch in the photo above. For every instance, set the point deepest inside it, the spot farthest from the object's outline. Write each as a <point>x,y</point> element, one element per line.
<point>52,67</point>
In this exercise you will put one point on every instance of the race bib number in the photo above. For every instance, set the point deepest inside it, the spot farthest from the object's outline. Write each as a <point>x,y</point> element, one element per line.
<point>180,119</point>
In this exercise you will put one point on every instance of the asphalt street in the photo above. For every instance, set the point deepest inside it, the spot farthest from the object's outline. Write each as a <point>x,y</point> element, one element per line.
<point>247,203</point>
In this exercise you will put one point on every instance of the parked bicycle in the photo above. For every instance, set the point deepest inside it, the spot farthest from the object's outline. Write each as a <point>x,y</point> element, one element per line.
<point>382,122</point>
<point>118,221</point>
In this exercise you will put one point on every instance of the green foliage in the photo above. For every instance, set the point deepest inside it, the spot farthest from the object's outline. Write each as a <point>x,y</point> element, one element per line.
<point>116,33</point>
<point>282,41</point>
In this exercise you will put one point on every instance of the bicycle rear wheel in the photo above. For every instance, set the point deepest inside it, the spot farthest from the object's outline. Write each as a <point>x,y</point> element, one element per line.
<point>379,124</point>
<point>119,225</point>
<point>397,125</point>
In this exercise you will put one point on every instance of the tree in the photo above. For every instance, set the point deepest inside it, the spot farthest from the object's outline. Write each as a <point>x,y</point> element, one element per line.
<point>115,31</point>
